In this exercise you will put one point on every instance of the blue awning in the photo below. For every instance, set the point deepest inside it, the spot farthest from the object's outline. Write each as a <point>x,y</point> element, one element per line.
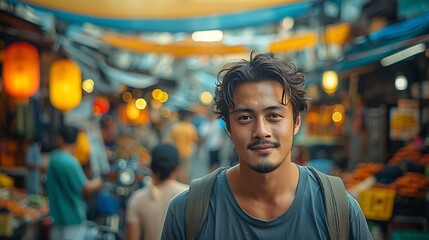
<point>208,22</point>
<point>385,42</point>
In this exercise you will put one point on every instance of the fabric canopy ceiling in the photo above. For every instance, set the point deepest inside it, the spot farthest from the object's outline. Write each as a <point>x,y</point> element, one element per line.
<point>173,15</point>
<point>334,34</point>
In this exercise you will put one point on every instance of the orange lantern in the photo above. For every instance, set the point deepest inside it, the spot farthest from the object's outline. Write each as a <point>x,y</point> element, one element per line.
<point>65,85</point>
<point>100,106</point>
<point>21,70</point>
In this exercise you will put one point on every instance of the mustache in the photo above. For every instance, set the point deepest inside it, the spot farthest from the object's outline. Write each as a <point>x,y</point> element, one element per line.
<point>262,142</point>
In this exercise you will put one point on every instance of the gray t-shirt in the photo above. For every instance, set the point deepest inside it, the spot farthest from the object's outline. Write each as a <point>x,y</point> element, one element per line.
<point>305,219</point>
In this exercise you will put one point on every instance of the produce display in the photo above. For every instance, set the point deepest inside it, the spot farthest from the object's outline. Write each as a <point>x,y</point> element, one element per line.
<point>393,195</point>
<point>27,207</point>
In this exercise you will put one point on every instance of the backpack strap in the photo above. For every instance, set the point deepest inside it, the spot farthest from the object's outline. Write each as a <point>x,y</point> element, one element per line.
<point>336,204</point>
<point>197,204</point>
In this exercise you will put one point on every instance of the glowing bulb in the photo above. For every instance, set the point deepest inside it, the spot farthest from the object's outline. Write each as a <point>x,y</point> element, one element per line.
<point>141,103</point>
<point>127,96</point>
<point>88,85</point>
<point>401,82</point>
<point>207,36</point>
<point>206,98</point>
<point>163,97</point>
<point>330,81</point>
<point>337,117</point>
<point>156,93</point>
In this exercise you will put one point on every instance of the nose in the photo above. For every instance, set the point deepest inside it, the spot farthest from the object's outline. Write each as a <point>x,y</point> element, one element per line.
<point>261,129</point>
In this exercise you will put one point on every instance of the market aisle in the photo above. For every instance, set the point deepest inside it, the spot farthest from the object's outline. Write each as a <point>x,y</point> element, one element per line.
<point>199,163</point>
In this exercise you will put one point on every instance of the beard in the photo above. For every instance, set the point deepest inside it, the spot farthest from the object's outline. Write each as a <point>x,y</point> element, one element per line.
<point>265,167</point>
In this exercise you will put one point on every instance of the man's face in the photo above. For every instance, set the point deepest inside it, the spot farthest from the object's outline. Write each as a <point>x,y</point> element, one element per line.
<point>262,126</point>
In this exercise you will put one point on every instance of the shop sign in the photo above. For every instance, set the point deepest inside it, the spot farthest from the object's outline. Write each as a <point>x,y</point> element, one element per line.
<point>404,123</point>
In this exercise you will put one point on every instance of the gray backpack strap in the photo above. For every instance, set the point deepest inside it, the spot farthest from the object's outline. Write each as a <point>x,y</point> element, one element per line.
<point>336,205</point>
<point>198,202</point>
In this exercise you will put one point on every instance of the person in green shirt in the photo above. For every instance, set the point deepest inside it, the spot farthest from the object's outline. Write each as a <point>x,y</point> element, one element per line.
<point>67,188</point>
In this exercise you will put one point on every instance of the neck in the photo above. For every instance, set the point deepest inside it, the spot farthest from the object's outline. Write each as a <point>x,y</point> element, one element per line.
<point>264,196</point>
<point>265,187</point>
<point>68,147</point>
<point>157,181</point>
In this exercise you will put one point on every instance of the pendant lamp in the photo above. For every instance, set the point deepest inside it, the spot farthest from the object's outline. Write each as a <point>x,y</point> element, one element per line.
<point>21,70</point>
<point>65,85</point>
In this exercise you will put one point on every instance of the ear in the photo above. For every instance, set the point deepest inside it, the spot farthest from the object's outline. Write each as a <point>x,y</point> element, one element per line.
<point>297,124</point>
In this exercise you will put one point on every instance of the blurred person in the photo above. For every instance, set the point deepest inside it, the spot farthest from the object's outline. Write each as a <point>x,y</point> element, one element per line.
<point>213,136</point>
<point>68,188</point>
<point>264,196</point>
<point>321,161</point>
<point>147,206</point>
<point>33,160</point>
<point>184,135</point>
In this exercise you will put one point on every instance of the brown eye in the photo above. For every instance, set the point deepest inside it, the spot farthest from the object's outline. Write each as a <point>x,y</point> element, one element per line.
<point>274,115</point>
<point>244,118</point>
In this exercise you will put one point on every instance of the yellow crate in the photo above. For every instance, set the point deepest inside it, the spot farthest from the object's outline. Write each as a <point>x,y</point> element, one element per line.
<point>6,224</point>
<point>377,203</point>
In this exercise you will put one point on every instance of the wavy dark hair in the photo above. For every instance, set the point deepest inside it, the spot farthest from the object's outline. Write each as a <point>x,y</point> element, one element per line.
<point>260,67</point>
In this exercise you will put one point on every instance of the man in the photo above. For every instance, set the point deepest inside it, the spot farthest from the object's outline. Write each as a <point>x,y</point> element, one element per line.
<point>67,187</point>
<point>264,196</point>
<point>184,136</point>
<point>147,206</point>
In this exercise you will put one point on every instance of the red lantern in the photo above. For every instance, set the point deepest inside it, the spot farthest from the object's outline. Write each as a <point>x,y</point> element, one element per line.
<point>100,106</point>
<point>21,70</point>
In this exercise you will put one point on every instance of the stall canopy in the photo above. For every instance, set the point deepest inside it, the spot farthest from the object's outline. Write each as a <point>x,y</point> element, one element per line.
<point>111,40</point>
<point>370,49</point>
<point>172,15</point>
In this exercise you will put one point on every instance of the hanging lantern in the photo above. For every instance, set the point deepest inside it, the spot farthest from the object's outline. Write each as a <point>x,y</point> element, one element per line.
<point>101,106</point>
<point>65,85</point>
<point>21,70</point>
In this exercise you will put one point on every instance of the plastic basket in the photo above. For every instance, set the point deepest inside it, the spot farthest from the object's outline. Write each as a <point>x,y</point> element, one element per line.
<point>409,235</point>
<point>377,203</point>
<point>6,224</point>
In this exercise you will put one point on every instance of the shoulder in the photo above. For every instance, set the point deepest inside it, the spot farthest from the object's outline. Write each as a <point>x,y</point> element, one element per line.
<point>359,226</point>
<point>354,206</point>
<point>63,159</point>
<point>139,193</point>
<point>174,222</point>
<point>308,176</point>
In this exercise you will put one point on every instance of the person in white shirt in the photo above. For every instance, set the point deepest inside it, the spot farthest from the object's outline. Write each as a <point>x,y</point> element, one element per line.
<point>213,136</point>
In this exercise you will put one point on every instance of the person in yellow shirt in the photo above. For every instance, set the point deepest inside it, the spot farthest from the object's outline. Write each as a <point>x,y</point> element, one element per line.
<point>184,135</point>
